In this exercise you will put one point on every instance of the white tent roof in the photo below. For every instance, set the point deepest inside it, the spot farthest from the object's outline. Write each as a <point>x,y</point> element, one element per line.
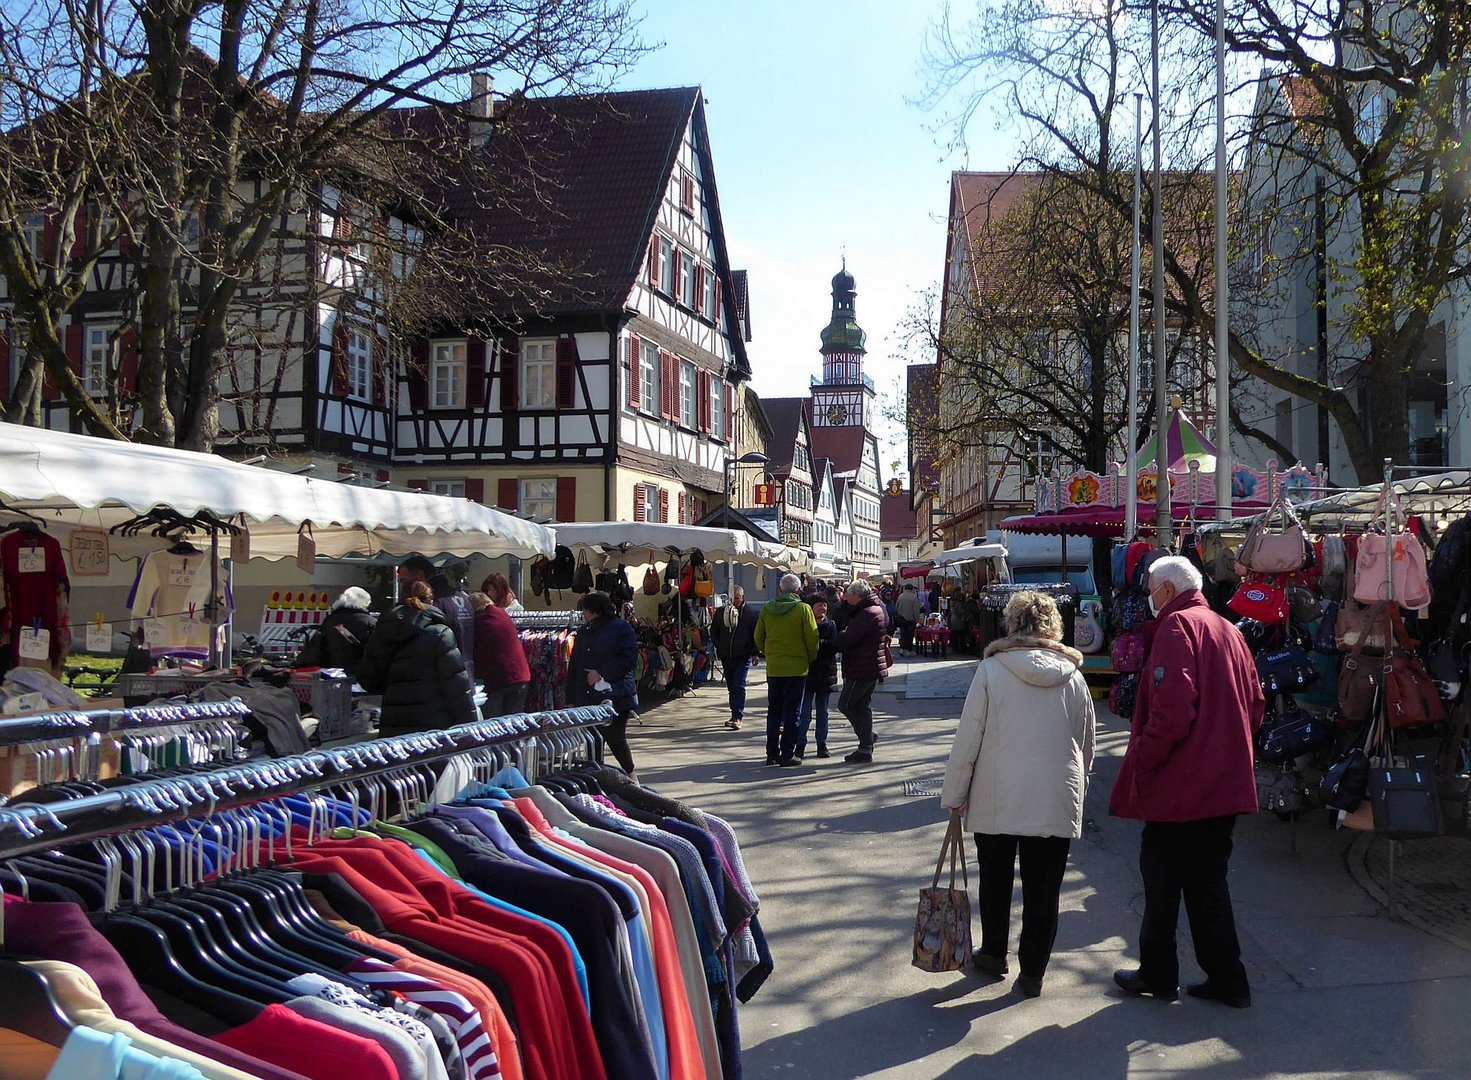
<point>990,550</point>
<point>1443,493</point>
<point>717,545</point>
<point>88,481</point>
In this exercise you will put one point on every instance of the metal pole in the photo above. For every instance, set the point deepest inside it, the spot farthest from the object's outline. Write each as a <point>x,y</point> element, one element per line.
<point>1223,284</point>
<point>1131,451</point>
<point>1162,525</point>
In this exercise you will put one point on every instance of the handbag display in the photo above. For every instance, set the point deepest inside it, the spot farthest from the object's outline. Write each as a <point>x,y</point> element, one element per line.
<point>1292,732</point>
<point>1286,670</point>
<point>1280,790</point>
<point>1280,552</point>
<point>942,924</point>
<point>1126,654</point>
<point>1260,600</point>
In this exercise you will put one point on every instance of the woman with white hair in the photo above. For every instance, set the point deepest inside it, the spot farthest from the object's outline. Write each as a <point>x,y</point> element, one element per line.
<point>342,635</point>
<point>1017,775</point>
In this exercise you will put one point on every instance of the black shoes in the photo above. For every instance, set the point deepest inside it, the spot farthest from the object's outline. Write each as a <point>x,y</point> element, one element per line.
<point>1134,984</point>
<point>771,761</point>
<point>822,751</point>
<point>1028,986</point>
<point>986,964</point>
<point>1235,999</point>
<point>859,757</point>
<point>786,762</point>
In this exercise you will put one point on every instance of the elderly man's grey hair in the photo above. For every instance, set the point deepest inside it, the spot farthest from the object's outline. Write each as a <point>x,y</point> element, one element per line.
<point>739,590</point>
<point>790,583</point>
<point>1177,570</point>
<point>860,589</point>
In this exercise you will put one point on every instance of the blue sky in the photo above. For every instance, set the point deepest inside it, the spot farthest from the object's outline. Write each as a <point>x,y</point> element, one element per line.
<point>817,150</point>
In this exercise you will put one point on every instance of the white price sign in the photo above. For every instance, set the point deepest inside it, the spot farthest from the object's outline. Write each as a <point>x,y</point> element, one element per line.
<point>153,632</point>
<point>99,637</point>
<point>32,560</point>
<point>35,644</point>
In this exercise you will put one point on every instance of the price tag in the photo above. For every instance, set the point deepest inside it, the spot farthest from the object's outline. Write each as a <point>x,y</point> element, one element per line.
<point>240,546</point>
<point>180,577</point>
<point>99,637</point>
<point>24,703</point>
<point>35,644</point>
<point>153,632</point>
<point>306,549</point>
<point>90,552</point>
<point>32,560</point>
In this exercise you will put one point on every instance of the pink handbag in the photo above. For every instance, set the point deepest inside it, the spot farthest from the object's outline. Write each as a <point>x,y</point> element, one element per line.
<point>1127,652</point>
<point>1397,559</point>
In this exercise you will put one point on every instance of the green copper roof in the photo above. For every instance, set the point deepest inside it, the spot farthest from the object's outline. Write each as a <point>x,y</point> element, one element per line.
<point>843,334</point>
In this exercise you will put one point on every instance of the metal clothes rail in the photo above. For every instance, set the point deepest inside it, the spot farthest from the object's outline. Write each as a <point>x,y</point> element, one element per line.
<point>26,828</point>
<point>43,727</point>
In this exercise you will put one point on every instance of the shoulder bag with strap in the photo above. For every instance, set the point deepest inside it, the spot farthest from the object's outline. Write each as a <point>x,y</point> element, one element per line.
<point>1269,552</point>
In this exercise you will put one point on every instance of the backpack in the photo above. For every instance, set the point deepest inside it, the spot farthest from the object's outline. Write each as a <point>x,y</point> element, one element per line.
<point>1140,579</point>
<point>582,580</point>
<point>540,575</point>
<point>1122,694</point>
<point>1127,652</point>
<point>563,569</point>
<point>1130,608</point>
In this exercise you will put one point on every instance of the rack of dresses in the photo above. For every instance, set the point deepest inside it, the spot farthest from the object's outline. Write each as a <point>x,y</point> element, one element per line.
<point>530,937</point>
<point>546,638</point>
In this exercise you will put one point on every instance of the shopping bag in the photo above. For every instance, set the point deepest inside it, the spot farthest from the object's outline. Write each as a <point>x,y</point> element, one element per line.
<point>942,925</point>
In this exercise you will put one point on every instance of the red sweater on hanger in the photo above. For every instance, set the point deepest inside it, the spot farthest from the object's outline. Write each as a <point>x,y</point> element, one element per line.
<point>36,596</point>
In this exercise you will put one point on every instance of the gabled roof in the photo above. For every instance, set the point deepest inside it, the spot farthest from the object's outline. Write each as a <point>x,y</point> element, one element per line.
<point>786,416</point>
<point>843,445</point>
<point>576,181</point>
<point>897,519</point>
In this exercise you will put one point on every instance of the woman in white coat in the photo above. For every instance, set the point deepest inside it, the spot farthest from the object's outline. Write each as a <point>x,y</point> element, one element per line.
<point>1017,775</point>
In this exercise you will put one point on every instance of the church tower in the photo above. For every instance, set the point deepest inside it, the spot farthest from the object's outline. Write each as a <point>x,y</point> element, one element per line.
<point>845,396</point>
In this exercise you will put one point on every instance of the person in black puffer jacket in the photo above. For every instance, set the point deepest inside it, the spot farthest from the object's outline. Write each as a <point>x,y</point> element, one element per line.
<point>343,634</point>
<point>861,642</point>
<point>822,676</point>
<point>605,649</point>
<point>412,659</point>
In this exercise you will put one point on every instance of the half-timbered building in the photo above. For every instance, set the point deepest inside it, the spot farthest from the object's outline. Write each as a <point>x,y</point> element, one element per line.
<point>790,468</point>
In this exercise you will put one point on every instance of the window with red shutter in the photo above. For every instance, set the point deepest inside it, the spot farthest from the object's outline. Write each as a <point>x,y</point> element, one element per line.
<point>682,499</point>
<point>632,372</point>
<point>418,485</point>
<point>702,399</point>
<point>566,498</point>
<point>508,494</point>
<point>715,315</point>
<point>510,362</point>
<point>654,261</point>
<point>566,372</point>
<point>338,362</point>
<point>669,385</point>
<point>663,504</point>
<point>475,373</point>
<point>475,489</point>
<point>729,412</point>
<point>699,297</point>
<point>639,493</point>
<point>418,375</point>
<point>676,277</point>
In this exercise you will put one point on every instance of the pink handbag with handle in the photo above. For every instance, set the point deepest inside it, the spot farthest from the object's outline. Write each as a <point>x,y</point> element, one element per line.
<point>1398,559</point>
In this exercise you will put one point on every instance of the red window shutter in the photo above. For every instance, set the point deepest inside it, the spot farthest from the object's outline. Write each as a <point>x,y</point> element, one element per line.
<point>344,219</point>
<point>73,340</point>
<point>127,361</point>
<point>566,372</point>
<point>510,369</point>
<point>475,490</point>
<point>339,356</point>
<point>697,301</point>
<point>508,494</point>
<point>669,385</point>
<point>418,485</point>
<point>48,236</point>
<point>663,504</point>
<point>635,376</point>
<point>418,375</point>
<point>639,514</point>
<point>381,476</point>
<point>715,315</point>
<point>79,240</point>
<point>702,384</point>
<point>683,499</point>
<point>566,498</point>
<point>729,412</point>
<point>475,373</point>
<point>654,260</point>
<point>382,372</point>
<point>674,278</point>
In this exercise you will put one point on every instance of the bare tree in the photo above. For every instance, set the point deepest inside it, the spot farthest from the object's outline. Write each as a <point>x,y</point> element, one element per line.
<point>193,133</point>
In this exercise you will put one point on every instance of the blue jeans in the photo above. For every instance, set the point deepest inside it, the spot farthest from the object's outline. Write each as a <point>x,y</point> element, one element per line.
<point>735,685</point>
<point>783,707</point>
<point>813,699</point>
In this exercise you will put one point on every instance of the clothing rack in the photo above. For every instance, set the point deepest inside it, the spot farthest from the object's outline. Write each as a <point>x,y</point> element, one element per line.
<point>26,828</point>
<point>544,620</point>
<point>16,731</point>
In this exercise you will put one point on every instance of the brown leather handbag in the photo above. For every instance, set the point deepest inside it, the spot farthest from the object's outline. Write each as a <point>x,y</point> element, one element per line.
<point>1410,698</point>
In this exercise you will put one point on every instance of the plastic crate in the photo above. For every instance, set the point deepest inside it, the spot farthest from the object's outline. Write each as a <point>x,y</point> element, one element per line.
<point>331,703</point>
<point>137,688</point>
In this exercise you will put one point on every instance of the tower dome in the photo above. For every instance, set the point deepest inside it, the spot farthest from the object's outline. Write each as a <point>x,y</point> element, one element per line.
<point>842,333</point>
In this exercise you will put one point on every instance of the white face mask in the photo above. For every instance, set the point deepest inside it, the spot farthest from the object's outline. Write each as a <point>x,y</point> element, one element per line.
<point>1153,610</point>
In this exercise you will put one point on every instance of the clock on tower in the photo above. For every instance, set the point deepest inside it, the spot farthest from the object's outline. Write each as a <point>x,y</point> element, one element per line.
<point>837,414</point>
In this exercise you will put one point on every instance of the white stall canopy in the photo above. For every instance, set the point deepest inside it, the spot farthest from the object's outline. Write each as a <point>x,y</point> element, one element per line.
<point>989,550</point>
<point>86,481</point>
<point>639,538</point>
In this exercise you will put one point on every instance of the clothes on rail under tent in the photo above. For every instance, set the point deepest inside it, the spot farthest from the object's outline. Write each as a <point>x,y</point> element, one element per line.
<point>583,927</point>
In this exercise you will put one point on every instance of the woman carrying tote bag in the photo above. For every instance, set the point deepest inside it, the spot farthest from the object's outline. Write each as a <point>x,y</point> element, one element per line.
<point>1017,775</point>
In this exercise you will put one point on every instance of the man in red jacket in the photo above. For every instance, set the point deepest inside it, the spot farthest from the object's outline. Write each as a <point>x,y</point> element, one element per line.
<point>1187,773</point>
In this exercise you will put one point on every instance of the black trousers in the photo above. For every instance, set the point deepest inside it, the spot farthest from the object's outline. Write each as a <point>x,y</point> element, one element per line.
<point>615,736</point>
<point>1044,861</point>
<point>1187,859</point>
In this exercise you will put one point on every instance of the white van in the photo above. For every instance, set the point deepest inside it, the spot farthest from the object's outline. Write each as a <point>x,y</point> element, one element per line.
<point>1038,560</point>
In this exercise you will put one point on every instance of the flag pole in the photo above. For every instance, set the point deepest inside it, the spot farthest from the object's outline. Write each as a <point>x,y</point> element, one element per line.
<point>1223,284</point>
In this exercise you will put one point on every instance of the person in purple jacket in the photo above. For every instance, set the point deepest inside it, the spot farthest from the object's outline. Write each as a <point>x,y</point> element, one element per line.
<point>1187,774</point>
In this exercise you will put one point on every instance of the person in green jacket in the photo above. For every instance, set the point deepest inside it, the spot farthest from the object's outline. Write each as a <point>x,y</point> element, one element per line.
<point>786,634</point>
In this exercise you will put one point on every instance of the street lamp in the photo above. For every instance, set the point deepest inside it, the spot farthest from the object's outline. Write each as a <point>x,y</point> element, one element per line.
<point>751,457</point>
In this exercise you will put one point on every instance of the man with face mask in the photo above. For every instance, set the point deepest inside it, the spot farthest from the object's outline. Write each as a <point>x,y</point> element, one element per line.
<point>1187,774</point>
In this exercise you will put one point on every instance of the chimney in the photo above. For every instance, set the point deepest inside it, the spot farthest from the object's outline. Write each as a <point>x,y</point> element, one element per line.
<point>482,95</point>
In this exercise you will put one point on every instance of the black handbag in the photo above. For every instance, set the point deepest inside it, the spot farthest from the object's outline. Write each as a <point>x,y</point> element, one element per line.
<point>1346,782</point>
<point>1405,801</point>
<point>1279,789</point>
<point>1290,732</point>
<point>1286,670</point>
<point>1325,640</point>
